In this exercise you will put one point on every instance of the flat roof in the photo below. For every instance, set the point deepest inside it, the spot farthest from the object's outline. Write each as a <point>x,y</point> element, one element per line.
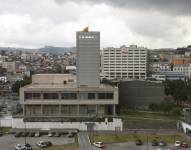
<point>65,86</point>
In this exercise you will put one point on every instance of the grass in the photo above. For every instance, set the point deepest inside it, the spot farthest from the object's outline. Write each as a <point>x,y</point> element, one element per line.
<point>71,146</point>
<point>114,138</point>
<point>149,116</point>
<point>5,129</point>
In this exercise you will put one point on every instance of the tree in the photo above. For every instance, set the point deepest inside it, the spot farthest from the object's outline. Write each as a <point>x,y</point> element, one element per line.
<point>18,84</point>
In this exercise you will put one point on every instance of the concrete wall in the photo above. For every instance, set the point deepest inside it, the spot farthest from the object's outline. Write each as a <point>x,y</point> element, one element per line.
<point>185,126</point>
<point>52,78</point>
<point>104,126</point>
<point>135,94</point>
<point>6,122</point>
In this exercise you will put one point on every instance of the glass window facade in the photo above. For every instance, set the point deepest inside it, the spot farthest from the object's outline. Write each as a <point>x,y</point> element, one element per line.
<point>69,96</point>
<point>50,96</point>
<point>32,95</point>
<point>105,96</point>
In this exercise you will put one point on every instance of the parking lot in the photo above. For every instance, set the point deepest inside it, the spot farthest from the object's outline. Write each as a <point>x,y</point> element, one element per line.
<point>7,142</point>
<point>132,146</point>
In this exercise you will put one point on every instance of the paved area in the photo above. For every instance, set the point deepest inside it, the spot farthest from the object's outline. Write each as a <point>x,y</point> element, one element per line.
<point>84,143</point>
<point>132,146</point>
<point>7,142</point>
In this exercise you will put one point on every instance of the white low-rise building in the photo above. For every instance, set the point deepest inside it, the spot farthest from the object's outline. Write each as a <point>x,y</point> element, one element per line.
<point>184,69</point>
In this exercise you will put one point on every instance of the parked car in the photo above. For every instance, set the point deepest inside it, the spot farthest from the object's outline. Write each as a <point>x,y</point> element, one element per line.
<point>98,144</point>
<point>24,134</point>
<point>31,134</point>
<point>19,147</point>
<point>17,134</point>
<point>37,134</point>
<point>155,142</point>
<point>177,144</point>
<point>28,146</point>
<point>162,143</point>
<point>70,135</point>
<point>41,144</point>
<point>184,145</point>
<point>48,143</point>
<point>50,134</point>
<point>57,134</point>
<point>138,142</point>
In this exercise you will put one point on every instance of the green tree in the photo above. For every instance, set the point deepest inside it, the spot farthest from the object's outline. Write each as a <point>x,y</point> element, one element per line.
<point>18,84</point>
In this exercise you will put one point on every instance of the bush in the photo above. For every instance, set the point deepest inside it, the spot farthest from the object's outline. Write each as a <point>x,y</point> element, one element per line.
<point>176,111</point>
<point>154,107</point>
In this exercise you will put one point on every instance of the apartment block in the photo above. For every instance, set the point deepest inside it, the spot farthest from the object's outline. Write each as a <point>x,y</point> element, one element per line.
<point>124,62</point>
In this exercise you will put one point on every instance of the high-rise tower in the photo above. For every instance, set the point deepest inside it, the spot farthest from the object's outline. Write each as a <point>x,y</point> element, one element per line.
<point>88,58</point>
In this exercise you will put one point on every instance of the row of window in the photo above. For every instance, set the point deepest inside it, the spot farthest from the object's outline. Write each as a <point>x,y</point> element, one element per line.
<point>71,96</point>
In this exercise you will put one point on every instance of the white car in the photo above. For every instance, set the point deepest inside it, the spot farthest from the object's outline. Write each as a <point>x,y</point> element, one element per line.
<point>19,147</point>
<point>50,134</point>
<point>98,144</point>
<point>41,144</point>
<point>177,144</point>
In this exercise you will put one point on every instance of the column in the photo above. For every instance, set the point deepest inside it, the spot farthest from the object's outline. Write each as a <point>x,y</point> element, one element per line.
<point>114,113</point>
<point>60,113</point>
<point>41,109</point>
<point>78,110</point>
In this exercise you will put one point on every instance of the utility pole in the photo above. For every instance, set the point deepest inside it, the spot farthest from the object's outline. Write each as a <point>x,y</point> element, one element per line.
<point>25,133</point>
<point>147,143</point>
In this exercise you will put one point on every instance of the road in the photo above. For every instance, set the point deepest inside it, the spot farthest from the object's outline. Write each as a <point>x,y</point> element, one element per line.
<point>84,143</point>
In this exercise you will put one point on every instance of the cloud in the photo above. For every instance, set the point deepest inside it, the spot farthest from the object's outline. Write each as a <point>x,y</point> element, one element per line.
<point>154,24</point>
<point>173,7</point>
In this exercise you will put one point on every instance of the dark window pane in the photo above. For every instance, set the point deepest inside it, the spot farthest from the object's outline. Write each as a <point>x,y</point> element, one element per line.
<point>28,95</point>
<point>50,95</point>
<point>105,96</point>
<point>68,96</point>
<point>91,95</point>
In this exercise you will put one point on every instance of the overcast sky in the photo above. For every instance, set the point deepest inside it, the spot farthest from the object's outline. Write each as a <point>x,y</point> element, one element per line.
<point>149,23</point>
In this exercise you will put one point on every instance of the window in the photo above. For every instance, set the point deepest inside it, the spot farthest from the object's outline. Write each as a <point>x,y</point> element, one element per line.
<point>105,96</point>
<point>83,96</point>
<point>91,95</point>
<point>50,95</point>
<point>68,96</point>
<point>32,95</point>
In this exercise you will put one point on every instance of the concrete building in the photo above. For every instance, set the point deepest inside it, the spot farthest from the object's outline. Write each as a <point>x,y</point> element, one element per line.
<point>88,58</point>
<point>139,94</point>
<point>11,67</point>
<point>72,102</point>
<point>168,75</point>
<point>184,69</point>
<point>124,62</point>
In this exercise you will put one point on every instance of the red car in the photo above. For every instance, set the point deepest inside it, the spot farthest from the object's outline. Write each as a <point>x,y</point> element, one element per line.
<point>184,145</point>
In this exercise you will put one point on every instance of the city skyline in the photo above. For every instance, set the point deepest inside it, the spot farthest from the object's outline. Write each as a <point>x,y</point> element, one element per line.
<point>153,24</point>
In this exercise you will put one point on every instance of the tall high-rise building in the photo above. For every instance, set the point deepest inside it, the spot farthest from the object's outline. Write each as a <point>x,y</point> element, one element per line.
<point>125,62</point>
<point>88,58</point>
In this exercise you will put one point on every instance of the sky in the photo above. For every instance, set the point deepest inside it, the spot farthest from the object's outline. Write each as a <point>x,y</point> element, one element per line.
<point>148,23</point>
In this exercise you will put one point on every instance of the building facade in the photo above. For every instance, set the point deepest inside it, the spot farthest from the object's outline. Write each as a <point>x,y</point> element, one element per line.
<point>57,95</point>
<point>124,62</point>
<point>140,94</point>
<point>72,101</point>
<point>184,69</point>
<point>88,58</point>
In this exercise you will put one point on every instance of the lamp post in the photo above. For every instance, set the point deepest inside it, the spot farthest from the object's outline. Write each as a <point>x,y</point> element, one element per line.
<point>25,133</point>
<point>147,142</point>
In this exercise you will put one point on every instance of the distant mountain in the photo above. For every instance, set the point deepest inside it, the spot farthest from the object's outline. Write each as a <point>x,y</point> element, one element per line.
<point>57,50</point>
